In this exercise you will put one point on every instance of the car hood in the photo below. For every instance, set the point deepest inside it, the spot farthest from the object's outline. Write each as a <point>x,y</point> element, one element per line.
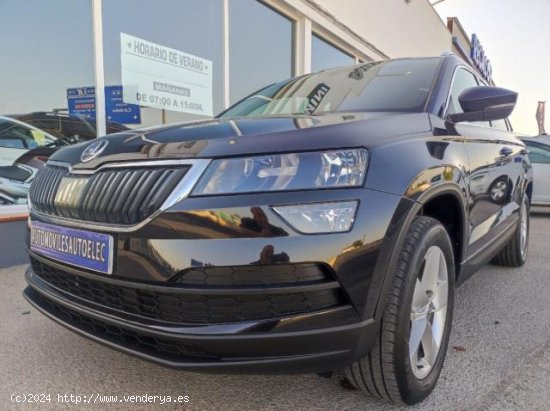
<point>242,136</point>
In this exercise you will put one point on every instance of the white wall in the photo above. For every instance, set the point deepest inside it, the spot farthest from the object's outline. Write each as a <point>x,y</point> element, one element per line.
<point>396,27</point>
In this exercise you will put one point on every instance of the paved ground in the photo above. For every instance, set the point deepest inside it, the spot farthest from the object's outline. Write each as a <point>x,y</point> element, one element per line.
<point>499,360</point>
<point>12,243</point>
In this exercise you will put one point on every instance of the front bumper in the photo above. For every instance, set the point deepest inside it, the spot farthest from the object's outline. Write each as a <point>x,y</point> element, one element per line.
<point>198,233</point>
<point>264,346</point>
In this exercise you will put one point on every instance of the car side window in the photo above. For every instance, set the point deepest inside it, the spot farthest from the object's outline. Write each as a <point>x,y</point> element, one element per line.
<point>8,141</point>
<point>463,79</point>
<point>18,136</point>
<point>538,153</point>
<point>39,139</point>
<point>14,136</point>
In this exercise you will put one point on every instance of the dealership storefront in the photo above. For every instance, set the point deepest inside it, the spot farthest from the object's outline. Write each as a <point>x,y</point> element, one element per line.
<point>470,49</point>
<point>80,68</point>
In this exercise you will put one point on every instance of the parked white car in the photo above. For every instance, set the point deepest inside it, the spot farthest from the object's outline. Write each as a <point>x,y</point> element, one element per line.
<point>539,154</point>
<point>16,138</point>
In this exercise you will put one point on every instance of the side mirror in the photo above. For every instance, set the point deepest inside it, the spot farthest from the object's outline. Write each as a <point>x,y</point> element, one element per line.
<point>483,103</point>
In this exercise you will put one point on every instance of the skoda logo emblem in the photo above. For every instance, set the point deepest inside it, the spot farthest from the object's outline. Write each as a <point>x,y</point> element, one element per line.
<point>93,150</point>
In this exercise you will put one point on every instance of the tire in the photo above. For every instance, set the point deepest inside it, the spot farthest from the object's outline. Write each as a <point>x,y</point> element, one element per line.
<point>387,371</point>
<point>514,254</point>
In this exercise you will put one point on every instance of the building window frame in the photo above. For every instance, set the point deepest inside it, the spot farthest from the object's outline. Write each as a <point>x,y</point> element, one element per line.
<point>306,21</point>
<point>333,42</point>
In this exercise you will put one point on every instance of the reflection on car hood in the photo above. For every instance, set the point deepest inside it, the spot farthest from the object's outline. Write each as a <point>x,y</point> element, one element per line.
<point>242,136</point>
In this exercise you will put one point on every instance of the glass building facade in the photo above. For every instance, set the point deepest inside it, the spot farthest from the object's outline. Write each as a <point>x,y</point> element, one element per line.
<point>160,61</point>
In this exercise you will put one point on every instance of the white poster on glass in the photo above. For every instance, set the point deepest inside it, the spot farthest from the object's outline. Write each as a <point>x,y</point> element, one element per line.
<point>165,78</point>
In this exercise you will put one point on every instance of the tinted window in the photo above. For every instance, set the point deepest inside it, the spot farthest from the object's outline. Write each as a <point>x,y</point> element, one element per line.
<point>538,153</point>
<point>324,55</point>
<point>9,142</point>
<point>15,135</point>
<point>389,86</point>
<point>463,79</point>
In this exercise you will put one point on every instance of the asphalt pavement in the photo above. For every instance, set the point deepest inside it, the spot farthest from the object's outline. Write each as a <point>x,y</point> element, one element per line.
<point>498,359</point>
<point>12,243</point>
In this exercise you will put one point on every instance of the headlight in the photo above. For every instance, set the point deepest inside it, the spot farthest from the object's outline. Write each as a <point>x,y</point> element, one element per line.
<point>316,218</point>
<point>277,172</point>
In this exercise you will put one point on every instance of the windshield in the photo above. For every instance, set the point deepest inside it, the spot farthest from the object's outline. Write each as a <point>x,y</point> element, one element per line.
<point>16,135</point>
<point>386,86</point>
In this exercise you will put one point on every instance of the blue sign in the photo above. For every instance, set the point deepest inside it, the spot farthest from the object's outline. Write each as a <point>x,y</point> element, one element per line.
<point>85,249</point>
<point>81,103</point>
<point>480,60</point>
<point>117,110</point>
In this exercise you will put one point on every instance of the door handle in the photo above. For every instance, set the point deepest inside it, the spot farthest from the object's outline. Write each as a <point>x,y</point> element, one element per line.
<point>506,151</point>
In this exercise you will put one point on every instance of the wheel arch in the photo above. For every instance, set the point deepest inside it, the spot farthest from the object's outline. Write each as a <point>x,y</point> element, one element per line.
<point>425,204</point>
<point>448,205</point>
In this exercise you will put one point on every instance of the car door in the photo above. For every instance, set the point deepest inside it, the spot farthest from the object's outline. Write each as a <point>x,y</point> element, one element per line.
<point>491,160</point>
<point>539,154</point>
<point>511,159</point>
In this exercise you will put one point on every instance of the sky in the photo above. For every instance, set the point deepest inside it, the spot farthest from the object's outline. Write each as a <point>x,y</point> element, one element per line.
<point>41,64</point>
<point>515,35</point>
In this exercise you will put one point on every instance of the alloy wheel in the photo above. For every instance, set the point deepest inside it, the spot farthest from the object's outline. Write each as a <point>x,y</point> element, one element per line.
<point>428,312</point>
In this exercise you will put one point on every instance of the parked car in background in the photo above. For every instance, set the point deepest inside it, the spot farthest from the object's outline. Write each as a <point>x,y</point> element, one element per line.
<point>26,142</point>
<point>65,126</point>
<point>18,137</point>
<point>539,154</point>
<point>17,168</point>
<point>321,223</point>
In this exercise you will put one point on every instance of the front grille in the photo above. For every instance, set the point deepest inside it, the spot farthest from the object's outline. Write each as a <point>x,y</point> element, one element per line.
<point>204,308</point>
<point>170,349</point>
<point>114,196</point>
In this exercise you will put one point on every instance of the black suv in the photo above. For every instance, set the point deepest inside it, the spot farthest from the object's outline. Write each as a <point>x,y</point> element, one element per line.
<point>321,223</point>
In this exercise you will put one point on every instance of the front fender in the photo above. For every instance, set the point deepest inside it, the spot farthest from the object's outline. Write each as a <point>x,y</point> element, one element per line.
<point>403,217</point>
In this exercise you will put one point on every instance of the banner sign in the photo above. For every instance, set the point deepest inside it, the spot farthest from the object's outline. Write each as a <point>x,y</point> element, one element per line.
<point>541,108</point>
<point>81,103</point>
<point>480,60</point>
<point>165,78</point>
<point>117,110</point>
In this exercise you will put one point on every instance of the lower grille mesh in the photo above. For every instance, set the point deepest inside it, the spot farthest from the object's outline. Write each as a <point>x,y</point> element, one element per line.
<point>184,308</point>
<point>163,347</point>
<point>263,275</point>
